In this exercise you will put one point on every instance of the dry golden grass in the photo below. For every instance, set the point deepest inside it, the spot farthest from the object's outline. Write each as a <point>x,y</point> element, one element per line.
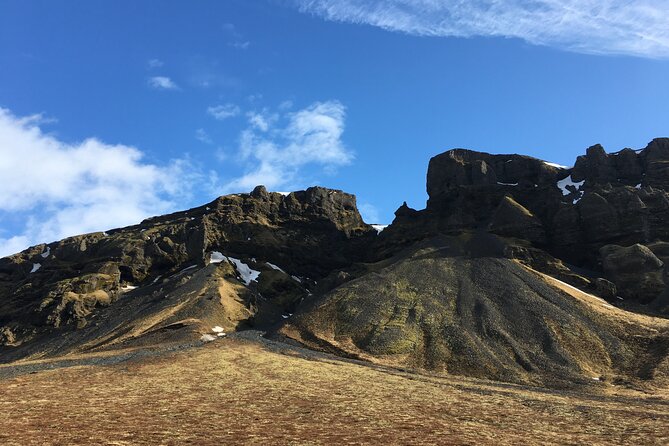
<point>235,391</point>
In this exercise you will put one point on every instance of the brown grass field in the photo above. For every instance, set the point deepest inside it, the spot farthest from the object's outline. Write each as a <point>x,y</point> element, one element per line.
<point>240,391</point>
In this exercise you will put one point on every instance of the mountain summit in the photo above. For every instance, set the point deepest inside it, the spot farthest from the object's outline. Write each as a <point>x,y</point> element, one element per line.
<point>517,270</point>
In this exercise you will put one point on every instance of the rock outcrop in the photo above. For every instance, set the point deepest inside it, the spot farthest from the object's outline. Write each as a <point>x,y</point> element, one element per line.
<point>63,284</point>
<point>517,270</point>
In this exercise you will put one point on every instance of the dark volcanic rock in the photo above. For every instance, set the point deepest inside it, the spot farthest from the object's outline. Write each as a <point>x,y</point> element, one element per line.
<point>498,277</point>
<point>635,270</point>
<point>308,233</point>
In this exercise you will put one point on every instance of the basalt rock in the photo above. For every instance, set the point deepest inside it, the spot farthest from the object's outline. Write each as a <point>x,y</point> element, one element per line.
<point>618,198</point>
<point>63,285</point>
<point>517,270</point>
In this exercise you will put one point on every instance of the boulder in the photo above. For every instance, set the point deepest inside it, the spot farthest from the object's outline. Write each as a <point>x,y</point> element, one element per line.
<point>636,271</point>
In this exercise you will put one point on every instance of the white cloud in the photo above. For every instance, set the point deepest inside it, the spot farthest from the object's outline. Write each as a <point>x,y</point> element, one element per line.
<point>241,45</point>
<point>369,213</point>
<point>155,63</point>
<point>162,83</point>
<point>637,28</point>
<point>275,155</point>
<point>238,40</point>
<point>61,189</point>
<point>223,112</point>
<point>202,136</point>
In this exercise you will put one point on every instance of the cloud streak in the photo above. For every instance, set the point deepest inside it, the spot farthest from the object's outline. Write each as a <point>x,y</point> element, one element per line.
<point>224,111</point>
<point>162,83</point>
<point>637,28</point>
<point>58,189</point>
<point>276,147</point>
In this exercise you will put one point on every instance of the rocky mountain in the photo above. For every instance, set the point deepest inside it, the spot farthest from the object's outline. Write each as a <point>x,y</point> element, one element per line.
<point>517,270</point>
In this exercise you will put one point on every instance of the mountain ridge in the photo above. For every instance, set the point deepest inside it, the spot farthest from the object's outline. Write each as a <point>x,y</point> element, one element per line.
<point>466,285</point>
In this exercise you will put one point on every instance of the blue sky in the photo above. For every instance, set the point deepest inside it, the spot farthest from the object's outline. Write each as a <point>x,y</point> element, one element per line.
<point>114,111</point>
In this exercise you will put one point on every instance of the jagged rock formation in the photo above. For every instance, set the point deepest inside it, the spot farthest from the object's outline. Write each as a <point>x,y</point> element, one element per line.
<point>517,270</point>
<point>570,213</point>
<point>303,235</point>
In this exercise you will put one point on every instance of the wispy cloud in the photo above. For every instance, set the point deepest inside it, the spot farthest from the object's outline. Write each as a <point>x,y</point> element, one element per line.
<point>237,39</point>
<point>369,213</point>
<point>637,28</point>
<point>154,63</point>
<point>202,136</point>
<point>162,83</point>
<point>60,189</point>
<point>276,148</point>
<point>223,112</point>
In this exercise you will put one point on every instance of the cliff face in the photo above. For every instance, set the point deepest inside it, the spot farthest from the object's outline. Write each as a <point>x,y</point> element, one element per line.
<point>617,199</point>
<point>63,285</point>
<point>517,270</point>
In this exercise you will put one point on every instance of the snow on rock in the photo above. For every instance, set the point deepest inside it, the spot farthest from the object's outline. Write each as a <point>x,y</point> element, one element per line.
<point>216,257</point>
<point>207,338</point>
<point>638,186</point>
<point>220,335</point>
<point>559,166</point>
<point>379,228</point>
<point>296,279</point>
<point>218,329</point>
<point>507,184</point>
<point>46,253</point>
<point>273,266</point>
<point>566,190</point>
<point>128,288</point>
<point>284,193</point>
<point>36,267</point>
<point>247,274</point>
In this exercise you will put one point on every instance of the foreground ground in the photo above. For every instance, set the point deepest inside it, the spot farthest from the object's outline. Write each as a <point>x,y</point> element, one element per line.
<point>248,391</point>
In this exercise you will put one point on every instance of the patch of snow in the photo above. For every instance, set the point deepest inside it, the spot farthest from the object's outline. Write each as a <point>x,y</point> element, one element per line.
<point>619,298</point>
<point>142,230</point>
<point>46,253</point>
<point>156,279</point>
<point>207,338</point>
<point>220,335</point>
<point>296,278</point>
<point>283,193</point>
<point>192,218</point>
<point>559,166</point>
<point>580,291</point>
<point>247,274</point>
<point>128,288</point>
<point>36,267</point>
<point>379,228</point>
<point>273,266</point>
<point>216,257</point>
<point>218,329</point>
<point>565,182</point>
<point>248,239</point>
<point>105,234</point>
<point>608,306</point>
<point>187,268</point>
<point>595,378</point>
<point>207,208</point>
<point>507,184</point>
<point>638,186</point>
<point>285,316</point>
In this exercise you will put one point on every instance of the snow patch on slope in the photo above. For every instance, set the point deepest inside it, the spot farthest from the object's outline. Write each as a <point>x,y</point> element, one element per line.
<point>568,186</point>
<point>379,228</point>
